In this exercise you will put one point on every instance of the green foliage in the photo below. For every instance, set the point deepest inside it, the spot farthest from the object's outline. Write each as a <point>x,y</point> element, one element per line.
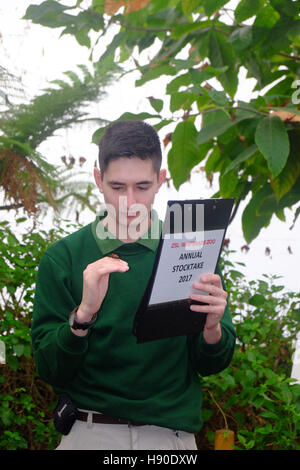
<point>201,49</point>
<point>272,140</point>
<point>57,107</point>
<point>25,175</point>
<point>255,392</point>
<point>25,401</point>
<point>184,144</point>
<point>10,87</point>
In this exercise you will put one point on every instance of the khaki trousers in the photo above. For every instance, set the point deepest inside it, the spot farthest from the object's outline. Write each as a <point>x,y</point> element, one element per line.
<point>96,436</point>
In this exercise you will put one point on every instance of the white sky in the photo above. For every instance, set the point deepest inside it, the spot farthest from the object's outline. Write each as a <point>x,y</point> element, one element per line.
<point>38,55</point>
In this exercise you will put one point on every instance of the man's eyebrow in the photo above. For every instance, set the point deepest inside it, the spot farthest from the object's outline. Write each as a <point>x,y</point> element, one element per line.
<point>123,184</point>
<point>115,182</point>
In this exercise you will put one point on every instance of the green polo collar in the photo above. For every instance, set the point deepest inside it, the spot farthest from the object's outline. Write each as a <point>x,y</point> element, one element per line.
<point>107,242</point>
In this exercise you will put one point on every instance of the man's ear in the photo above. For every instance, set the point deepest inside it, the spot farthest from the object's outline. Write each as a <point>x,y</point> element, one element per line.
<point>161,178</point>
<point>98,179</point>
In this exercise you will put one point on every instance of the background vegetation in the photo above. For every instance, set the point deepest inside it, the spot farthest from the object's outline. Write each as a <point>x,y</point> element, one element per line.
<point>201,47</point>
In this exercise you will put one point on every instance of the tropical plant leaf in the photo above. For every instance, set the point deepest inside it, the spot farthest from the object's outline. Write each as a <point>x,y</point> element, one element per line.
<point>272,140</point>
<point>291,172</point>
<point>252,218</point>
<point>185,152</point>
<point>247,8</point>
<point>242,157</point>
<point>221,54</point>
<point>211,6</point>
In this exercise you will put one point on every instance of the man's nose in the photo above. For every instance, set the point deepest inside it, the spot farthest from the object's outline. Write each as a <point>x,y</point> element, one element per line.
<point>131,200</point>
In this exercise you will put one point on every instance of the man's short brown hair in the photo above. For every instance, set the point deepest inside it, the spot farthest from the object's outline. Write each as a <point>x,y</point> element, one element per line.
<point>130,139</point>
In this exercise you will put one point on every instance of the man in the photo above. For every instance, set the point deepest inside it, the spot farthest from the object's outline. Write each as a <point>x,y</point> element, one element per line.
<point>129,395</point>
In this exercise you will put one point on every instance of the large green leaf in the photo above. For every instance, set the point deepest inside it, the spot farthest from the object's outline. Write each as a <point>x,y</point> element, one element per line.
<point>243,156</point>
<point>217,97</point>
<point>114,44</point>
<point>272,140</point>
<point>36,12</point>
<point>189,5</point>
<point>174,85</point>
<point>187,28</point>
<point>228,182</point>
<point>210,6</point>
<point>266,18</point>
<point>156,72</point>
<point>199,76</point>
<point>185,152</point>
<point>252,218</point>
<point>156,103</point>
<point>241,38</point>
<point>213,161</point>
<point>182,101</point>
<point>286,7</point>
<point>208,133</point>
<point>291,172</point>
<point>247,8</point>
<point>215,123</point>
<point>221,55</point>
<point>49,13</point>
<point>277,38</point>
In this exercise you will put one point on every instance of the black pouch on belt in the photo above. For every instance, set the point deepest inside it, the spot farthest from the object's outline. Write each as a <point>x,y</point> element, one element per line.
<point>65,415</point>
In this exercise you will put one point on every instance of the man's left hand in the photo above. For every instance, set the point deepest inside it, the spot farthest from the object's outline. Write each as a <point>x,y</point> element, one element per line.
<point>215,305</point>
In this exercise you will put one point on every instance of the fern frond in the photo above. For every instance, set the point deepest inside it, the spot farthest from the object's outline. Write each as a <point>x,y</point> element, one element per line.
<point>56,108</point>
<point>25,175</point>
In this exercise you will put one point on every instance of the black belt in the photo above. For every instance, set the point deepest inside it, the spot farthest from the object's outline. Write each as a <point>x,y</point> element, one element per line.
<point>104,419</point>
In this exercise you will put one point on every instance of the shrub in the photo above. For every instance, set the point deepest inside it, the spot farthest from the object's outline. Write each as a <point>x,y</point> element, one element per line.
<point>259,399</point>
<point>25,401</point>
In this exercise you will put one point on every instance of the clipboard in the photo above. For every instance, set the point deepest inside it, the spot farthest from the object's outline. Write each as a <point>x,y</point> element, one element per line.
<point>192,237</point>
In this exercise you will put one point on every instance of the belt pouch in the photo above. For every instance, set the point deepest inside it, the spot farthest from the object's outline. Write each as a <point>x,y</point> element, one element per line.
<point>65,415</point>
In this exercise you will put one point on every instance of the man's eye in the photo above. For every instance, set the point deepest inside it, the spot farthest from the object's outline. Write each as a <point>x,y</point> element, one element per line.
<point>142,188</point>
<point>116,188</point>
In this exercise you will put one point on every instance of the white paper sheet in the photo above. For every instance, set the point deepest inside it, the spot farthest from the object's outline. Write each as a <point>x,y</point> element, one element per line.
<point>183,261</point>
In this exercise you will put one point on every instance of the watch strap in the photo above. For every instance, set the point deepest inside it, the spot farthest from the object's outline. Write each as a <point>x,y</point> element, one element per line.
<point>76,325</point>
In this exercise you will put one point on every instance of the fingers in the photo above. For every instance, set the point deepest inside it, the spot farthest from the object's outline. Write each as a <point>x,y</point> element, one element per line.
<point>110,265</point>
<point>213,279</point>
<point>106,265</point>
<point>217,309</point>
<point>215,289</point>
<point>209,299</point>
<point>216,299</point>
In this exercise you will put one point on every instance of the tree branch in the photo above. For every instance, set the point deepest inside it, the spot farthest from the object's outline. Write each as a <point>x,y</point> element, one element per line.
<point>141,28</point>
<point>251,110</point>
<point>220,108</point>
<point>235,210</point>
<point>292,57</point>
<point>11,206</point>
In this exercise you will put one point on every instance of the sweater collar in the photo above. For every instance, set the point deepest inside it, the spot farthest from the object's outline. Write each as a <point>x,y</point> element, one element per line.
<point>107,242</point>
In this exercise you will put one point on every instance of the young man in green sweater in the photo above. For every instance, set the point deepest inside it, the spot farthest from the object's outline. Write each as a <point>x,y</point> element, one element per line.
<point>89,287</point>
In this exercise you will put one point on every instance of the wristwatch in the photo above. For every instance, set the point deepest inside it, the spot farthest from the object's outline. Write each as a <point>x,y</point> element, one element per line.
<point>76,325</point>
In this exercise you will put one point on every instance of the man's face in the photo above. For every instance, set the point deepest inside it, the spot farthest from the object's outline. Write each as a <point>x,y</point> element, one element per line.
<point>127,182</point>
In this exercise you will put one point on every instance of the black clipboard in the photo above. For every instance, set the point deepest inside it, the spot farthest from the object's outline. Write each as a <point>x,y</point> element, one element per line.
<point>198,219</point>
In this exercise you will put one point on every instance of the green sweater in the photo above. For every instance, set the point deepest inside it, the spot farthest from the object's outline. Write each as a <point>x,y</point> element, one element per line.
<point>107,370</point>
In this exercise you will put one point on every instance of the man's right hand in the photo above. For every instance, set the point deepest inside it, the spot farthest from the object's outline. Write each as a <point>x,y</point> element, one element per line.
<point>95,285</point>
